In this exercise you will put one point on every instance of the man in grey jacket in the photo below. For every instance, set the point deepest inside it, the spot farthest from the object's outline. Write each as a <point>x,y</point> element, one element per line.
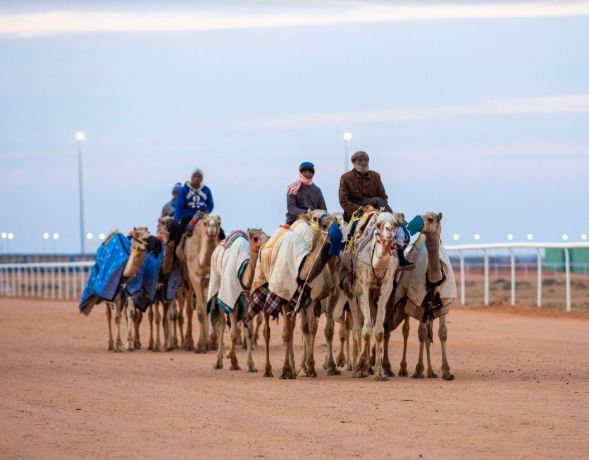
<point>168,209</point>
<point>303,194</point>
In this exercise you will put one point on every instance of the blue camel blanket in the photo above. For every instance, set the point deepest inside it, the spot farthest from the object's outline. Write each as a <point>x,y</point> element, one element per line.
<point>143,286</point>
<point>105,278</point>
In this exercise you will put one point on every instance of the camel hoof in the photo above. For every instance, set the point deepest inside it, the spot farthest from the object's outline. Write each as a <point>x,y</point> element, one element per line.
<point>218,365</point>
<point>388,372</point>
<point>446,375</point>
<point>332,370</point>
<point>252,369</point>
<point>431,375</point>
<point>403,372</point>
<point>234,367</point>
<point>268,374</point>
<point>350,368</point>
<point>111,346</point>
<point>340,361</point>
<point>380,378</point>
<point>137,345</point>
<point>130,347</point>
<point>418,375</point>
<point>311,373</point>
<point>200,348</point>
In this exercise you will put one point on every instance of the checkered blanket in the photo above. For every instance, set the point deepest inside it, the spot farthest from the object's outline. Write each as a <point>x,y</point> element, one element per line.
<point>264,300</point>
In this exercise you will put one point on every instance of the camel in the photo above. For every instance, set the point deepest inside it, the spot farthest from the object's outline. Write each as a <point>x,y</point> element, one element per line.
<point>375,266</point>
<point>168,229</point>
<point>321,287</point>
<point>196,251</point>
<point>283,274</point>
<point>139,246</point>
<point>434,277</point>
<point>227,264</point>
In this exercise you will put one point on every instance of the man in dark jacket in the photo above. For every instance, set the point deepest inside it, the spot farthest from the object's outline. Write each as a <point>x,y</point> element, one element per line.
<point>360,187</point>
<point>303,194</point>
<point>170,206</point>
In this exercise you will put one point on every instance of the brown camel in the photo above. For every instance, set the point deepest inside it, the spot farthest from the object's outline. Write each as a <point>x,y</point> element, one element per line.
<point>196,251</point>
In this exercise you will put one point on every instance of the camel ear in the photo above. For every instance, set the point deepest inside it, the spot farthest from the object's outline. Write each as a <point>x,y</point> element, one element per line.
<point>439,217</point>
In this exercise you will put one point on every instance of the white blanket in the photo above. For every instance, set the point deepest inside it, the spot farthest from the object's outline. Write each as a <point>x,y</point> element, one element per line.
<point>323,284</point>
<point>279,263</point>
<point>225,264</point>
<point>412,283</point>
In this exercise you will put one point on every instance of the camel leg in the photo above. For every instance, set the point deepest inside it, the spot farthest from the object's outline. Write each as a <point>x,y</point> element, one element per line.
<point>403,368</point>
<point>118,314</point>
<point>363,364</point>
<point>259,321</point>
<point>249,333</point>
<point>378,332</point>
<point>240,335</point>
<point>330,365</point>
<point>422,334</point>
<point>356,334</point>
<point>235,340</point>
<point>137,317</point>
<point>348,325</point>
<point>340,318</point>
<point>188,342</point>
<point>287,370</point>
<point>221,323</point>
<point>212,341</point>
<point>181,308</point>
<point>386,363</point>
<point>268,369</point>
<point>158,325</point>
<point>130,313</point>
<point>291,357</point>
<point>443,336</point>
<point>150,318</point>
<point>165,323</point>
<point>175,313</point>
<point>111,343</point>
<point>428,343</point>
<point>311,342</point>
<point>304,335</point>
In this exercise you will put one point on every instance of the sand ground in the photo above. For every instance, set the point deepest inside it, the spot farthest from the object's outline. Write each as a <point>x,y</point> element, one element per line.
<point>521,391</point>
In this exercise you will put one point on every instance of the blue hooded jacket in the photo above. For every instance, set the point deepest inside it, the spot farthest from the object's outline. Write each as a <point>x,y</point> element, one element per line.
<point>191,200</point>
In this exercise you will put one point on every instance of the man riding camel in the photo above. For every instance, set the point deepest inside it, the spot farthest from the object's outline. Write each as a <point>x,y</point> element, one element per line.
<point>168,208</point>
<point>303,194</point>
<point>193,197</point>
<point>361,187</point>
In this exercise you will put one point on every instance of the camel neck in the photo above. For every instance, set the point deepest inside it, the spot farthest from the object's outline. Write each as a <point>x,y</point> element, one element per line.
<point>434,266</point>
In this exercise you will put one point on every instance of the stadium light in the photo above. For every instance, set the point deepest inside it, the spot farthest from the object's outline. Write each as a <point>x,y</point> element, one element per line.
<point>510,237</point>
<point>10,235</point>
<point>565,237</point>
<point>45,236</point>
<point>584,236</point>
<point>347,136</point>
<point>477,236</point>
<point>101,236</point>
<point>80,136</point>
<point>4,235</point>
<point>456,237</point>
<point>56,236</point>
<point>530,236</point>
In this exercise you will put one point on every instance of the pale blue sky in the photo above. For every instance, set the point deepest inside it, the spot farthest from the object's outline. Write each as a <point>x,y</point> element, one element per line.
<point>483,119</point>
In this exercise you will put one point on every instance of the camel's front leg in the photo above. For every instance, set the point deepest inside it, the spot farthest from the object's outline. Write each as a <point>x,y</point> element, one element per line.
<point>220,326</point>
<point>268,369</point>
<point>111,343</point>
<point>378,332</point>
<point>312,324</point>
<point>287,371</point>
<point>137,318</point>
<point>363,364</point>
<point>235,339</point>
<point>118,314</point>
<point>150,318</point>
<point>181,308</point>
<point>188,342</point>
<point>174,316</point>
<point>403,367</point>
<point>291,356</point>
<point>348,327</point>
<point>356,334</point>
<point>158,325</point>
<point>330,365</point>
<point>422,334</point>
<point>201,315</point>
<point>304,334</point>
<point>386,363</point>
<point>443,335</point>
<point>428,342</point>
<point>259,321</point>
<point>130,312</point>
<point>249,333</point>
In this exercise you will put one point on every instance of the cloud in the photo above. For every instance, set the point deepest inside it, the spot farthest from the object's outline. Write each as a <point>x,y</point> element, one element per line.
<point>568,103</point>
<point>63,22</point>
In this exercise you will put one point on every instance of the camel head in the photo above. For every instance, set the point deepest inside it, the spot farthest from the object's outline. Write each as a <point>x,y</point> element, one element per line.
<point>385,229</point>
<point>139,240</point>
<point>257,238</point>
<point>320,220</point>
<point>169,229</point>
<point>432,222</point>
<point>211,224</point>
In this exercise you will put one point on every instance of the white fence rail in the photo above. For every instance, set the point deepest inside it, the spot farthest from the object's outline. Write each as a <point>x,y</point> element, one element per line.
<point>511,247</point>
<point>48,280</point>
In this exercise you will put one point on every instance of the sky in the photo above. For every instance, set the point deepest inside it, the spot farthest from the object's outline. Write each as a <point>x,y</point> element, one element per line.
<point>476,110</point>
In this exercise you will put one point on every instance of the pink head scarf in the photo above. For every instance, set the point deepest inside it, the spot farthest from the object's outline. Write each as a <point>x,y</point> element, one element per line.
<point>293,188</point>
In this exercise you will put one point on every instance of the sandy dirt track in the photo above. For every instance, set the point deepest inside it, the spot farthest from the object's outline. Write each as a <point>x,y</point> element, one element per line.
<point>521,391</point>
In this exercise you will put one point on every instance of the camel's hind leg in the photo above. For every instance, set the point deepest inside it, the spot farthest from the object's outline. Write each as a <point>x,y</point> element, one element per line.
<point>235,340</point>
<point>118,305</point>
<point>330,364</point>
<point>348,328</point>
<point>304,334</point>
<point>259,321</point>
<point>130,313</point>
<point>136,323</point>
<point>443,335</point>
<point>428,343</point>
<point>386,363</point>
<point>268,368</point>
<point>220,326</point>
<point>111,343</point>
<point>158,324</point>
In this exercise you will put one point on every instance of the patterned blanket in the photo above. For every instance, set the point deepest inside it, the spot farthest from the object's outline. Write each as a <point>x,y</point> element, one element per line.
<point>264,300</point>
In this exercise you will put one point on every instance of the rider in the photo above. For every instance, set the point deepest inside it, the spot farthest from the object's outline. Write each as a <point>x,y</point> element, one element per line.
<point>360,187</point>
<point>193,197</point>
<point>303,194</point>
<point>168,208</point>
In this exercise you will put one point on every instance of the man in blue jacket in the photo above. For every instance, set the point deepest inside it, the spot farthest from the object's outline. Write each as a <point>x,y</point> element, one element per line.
<point>194,196</point>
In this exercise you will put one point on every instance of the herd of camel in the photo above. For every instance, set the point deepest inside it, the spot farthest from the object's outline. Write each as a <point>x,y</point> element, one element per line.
<point>357,289</point>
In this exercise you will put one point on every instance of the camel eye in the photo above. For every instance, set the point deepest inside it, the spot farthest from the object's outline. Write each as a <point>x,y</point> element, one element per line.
<point>255,239</point>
